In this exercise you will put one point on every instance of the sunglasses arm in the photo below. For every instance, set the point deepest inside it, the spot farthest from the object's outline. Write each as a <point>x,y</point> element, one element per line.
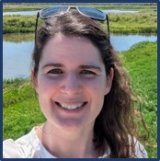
<point>35,36</point>
<point>108,29</point>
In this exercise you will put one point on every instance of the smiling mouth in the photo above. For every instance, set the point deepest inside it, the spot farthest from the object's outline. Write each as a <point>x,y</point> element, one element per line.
<point>71,106</point>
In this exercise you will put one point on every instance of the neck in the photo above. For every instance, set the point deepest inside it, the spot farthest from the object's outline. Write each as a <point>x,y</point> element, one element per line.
<point>68,144</point>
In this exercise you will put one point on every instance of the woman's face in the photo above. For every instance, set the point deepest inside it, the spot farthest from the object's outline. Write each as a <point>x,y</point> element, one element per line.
<point>71,82</point>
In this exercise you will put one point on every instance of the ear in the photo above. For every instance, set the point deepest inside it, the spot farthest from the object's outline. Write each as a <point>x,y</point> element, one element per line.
<point>34,80</point>
<point>109,81</point>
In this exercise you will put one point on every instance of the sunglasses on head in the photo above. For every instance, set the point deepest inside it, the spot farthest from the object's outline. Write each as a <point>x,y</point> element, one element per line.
<point>92,13</point>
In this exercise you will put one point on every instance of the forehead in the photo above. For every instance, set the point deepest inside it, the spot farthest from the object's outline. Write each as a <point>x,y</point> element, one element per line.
<point>74,49</point>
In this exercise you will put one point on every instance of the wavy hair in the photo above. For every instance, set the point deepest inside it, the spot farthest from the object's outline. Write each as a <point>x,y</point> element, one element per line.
<point>114,126</point>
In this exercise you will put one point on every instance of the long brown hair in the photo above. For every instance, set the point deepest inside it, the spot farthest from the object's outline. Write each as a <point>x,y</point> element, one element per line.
<point>114,126</point>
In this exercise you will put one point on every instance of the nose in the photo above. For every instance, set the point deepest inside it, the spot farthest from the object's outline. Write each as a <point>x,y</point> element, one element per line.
<point>71,85</point>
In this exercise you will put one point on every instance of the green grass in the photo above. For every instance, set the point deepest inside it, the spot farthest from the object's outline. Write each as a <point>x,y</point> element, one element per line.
<point>21,110</point>
<point>133,23</point>
<point>141,62</point>
<point>19,24</point>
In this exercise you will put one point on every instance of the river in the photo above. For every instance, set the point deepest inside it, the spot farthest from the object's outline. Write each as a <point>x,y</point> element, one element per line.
<point>33,13</point>
<point>17,52</point>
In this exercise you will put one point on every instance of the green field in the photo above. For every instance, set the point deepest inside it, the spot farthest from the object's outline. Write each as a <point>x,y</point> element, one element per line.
<point>123,23</point>
<point>21,111</point>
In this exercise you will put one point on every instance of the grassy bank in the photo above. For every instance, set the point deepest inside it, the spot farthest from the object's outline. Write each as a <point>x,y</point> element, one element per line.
<point>119,23</point>
<point>21,111</point>
<point>18,24</point>
<point>18,37</point>
<point>20,108</point>
<point>141,62</point>
<point>133,23</point>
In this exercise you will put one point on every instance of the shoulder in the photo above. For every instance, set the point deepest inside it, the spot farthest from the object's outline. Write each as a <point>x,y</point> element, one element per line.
<point>24,147</point>
<point>140,151</point>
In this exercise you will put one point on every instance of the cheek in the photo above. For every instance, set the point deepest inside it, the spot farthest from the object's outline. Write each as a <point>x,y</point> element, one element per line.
<point>97,87</point>
<point>46,90</point>
<point>46,86</point>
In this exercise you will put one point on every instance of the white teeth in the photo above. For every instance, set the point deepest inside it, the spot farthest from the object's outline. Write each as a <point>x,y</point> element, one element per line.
<point>70,107</point>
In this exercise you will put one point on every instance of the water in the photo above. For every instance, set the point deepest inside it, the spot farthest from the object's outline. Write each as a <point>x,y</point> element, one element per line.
<point>22,13</point>
<point>17,54</point>
<point>16,59</point>
<point>33,13</point>
<point>124,42</point>
<point>119,11</point>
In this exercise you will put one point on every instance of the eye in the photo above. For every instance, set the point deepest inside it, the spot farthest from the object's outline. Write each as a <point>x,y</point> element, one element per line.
<point>55,71</point>
<point>87,73</point>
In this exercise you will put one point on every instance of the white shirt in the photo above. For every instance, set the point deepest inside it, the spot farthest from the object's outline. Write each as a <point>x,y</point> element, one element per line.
<point>29,146</point>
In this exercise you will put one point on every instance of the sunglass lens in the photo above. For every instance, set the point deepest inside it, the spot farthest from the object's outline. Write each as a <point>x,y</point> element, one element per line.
<point>93,13</point>
<point>47,12</point>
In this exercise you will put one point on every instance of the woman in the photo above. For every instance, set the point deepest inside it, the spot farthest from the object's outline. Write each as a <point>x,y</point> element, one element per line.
<point>82,89</point>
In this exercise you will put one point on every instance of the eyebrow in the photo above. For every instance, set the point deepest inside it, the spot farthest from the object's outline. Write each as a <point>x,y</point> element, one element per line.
<point>90,67</point>
<point>83,66</point>
<point>52,65</point>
